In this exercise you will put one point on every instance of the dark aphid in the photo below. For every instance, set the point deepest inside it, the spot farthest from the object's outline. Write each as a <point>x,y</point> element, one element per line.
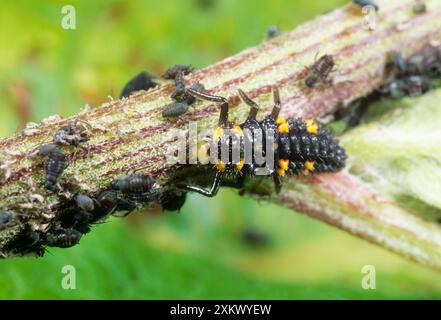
<point>426,62</point>
<point>175,109</point>
<point>179,108</point>
<point>26,242</point>
<point>179,93</point>
<point>304,147</point>
<point>84,202</point>
<point>254,237</point>
<point>412,86</point>
<point>5,218</point>
<point>272,32</point>
<point>71,134</point>
<point>400,65</point>
<point>62,238</point>
<point>173,200</point>
<point>107,203</point>
<point>55,163</point>
<point>173,71</point>
<point>142,81</point>
<point>420,8</point>
<point>138,187</point>
<point>320,70</point>
<point>364,3</point>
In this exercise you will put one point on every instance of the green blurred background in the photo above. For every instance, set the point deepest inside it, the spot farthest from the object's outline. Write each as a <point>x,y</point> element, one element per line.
<point>227,247</point>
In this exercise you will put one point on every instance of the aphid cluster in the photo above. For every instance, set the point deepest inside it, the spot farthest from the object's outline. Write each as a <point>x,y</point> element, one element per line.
<point>55,161</point>
<point>303,147</point>
<point>182,99</point>
<point>413,77</point>
<point>142,81</point>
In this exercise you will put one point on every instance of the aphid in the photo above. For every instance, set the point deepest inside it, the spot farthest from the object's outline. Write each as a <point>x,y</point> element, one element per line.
<point>175,109</point>
<point>173,71</point>
<point>138,187</point>
<point>179,108</point>
<point>427,62</point>
<point>420,8</point>
<point>71,134</point>
<point>107,203</point>
<point>320,70</point>
<point>5,218</point>
<point>400,65</point>
<point>179,93</point>
<point>364,3</point>
<point>304,147</point>
<point>272,32</point>
<point>142,81</point>
<point>254,237</point>
<point>173,200</point>
<point>84,202</point>
<point>412,86</point>
<point>26,242</point>
<point>55,163</point>
<point>62,238</point>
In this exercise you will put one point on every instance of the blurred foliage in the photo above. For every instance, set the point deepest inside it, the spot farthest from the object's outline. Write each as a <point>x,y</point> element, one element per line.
<point>227,247</point>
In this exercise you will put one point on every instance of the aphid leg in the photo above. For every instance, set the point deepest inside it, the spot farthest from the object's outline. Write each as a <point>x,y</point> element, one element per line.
<point>254,107</point>
<point>223,118</point>
<point>277,103</point>
<point>277,182</point>
<point>214,187</point>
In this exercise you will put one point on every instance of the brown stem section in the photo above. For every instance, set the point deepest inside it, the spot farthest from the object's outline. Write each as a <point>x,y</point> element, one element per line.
<point>131,134</point>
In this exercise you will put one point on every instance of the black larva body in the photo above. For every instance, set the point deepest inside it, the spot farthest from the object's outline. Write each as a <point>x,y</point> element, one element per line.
<point>55,163</point>
<point>301,147</point>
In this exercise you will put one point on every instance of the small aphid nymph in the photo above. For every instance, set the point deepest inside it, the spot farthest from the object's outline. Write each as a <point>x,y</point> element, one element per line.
<point>72,134</point>
<point>272,32</point>
<point>173,71</point>
<point>84,202</point>
<point>138,187</point>
<point>55,163</point>
<point>5,218</point>
<point>62,238</point>
<point>319,72</point>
